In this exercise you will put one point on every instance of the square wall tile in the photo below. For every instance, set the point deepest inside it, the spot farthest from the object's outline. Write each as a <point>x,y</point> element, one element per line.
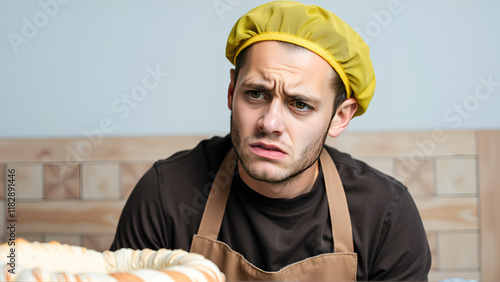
<point>29,180</point>
<point>2,181</point>
<point>69,239</point>
<point>454,213</point>
<point>98,242</point>
<point>418,176</point>
<point>101,181</point>
<point>62,181</point>
<point>458,250</point>
<point>131,173</point>
<point>463,276</point>
<point>431,238</point>
<point>31,237</point>
<point>3,212</point>
<point>73,217</point>
<point>456,176</point>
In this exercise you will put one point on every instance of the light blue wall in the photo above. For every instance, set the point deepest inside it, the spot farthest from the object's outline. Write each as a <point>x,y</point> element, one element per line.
<point>65,66</point>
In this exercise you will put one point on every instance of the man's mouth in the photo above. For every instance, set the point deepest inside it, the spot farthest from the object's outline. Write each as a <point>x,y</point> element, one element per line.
<point>267,150</point>
<point>268,147</point>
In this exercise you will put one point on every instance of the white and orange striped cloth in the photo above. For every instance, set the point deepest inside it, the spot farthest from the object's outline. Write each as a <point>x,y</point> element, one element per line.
<point>54,261</point>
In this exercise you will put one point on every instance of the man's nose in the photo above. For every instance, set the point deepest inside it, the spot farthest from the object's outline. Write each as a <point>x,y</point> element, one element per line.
<point>272,119</point>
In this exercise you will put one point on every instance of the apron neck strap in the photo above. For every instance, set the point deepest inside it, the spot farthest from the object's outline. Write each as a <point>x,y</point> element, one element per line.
<point>337,203</point>
<point>339,213</point>
<point>211,219</point>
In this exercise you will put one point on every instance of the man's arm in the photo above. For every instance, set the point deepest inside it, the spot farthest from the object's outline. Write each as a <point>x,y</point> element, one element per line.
<point>403,251</point>
<point>142,222</point>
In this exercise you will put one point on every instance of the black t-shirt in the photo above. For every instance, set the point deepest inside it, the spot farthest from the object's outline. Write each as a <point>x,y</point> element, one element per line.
<point>165,209</point>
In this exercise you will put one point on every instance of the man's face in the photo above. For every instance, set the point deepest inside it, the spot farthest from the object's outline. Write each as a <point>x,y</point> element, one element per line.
<point>282,106</point>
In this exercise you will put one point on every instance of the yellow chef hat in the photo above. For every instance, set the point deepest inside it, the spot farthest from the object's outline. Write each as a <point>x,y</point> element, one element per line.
<point>316,29</point>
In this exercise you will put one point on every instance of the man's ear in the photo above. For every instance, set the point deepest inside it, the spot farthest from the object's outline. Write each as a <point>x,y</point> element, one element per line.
<point>343,116</point>
<point>230,91</point>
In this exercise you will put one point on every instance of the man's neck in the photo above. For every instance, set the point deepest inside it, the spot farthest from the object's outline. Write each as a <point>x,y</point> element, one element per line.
<point>292,188</point>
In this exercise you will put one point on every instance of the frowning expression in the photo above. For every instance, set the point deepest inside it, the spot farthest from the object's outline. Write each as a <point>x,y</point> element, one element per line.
<point>282,107</point>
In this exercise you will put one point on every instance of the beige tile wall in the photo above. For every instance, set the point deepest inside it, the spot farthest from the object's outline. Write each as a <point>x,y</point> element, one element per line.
<point>73,193</point>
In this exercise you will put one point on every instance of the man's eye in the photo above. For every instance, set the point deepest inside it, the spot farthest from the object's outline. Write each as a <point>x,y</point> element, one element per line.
<point>302,106</point>
<point>255,94</point>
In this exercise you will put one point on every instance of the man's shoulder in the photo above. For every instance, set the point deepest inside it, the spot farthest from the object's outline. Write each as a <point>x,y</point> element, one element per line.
<point>357,174</point>
<point>209,151</point>
<point>184,180</point>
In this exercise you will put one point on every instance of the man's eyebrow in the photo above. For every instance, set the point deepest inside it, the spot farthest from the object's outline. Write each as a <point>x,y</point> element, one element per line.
<point>255,86</point>
<point>300,97</point>
<point>305,98</point>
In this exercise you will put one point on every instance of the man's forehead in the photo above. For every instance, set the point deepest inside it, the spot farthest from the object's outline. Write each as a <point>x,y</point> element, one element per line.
<point>278,54</point>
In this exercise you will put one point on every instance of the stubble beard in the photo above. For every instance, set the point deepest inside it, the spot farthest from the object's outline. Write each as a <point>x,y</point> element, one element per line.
<point>308,157</point>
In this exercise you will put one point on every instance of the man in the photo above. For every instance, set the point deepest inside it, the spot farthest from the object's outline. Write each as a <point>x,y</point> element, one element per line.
<point>270,201</point>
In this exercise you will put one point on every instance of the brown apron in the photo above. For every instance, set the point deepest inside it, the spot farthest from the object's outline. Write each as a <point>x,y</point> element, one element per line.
<point>338,266</point>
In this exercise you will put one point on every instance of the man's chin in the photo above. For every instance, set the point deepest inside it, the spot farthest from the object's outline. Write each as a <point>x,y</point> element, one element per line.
<point>266,178</point>
<point>265,172</point>
<point>268,174</point>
